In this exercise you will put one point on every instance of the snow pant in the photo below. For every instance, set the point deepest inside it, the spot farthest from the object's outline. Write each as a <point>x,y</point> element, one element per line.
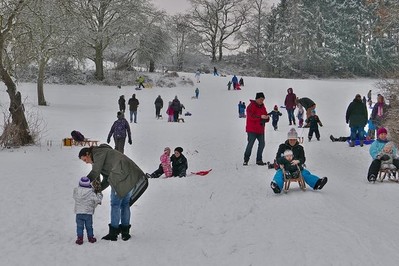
<point>357,131</point>
<point>120,209</point>
<point>261,145</point>
<point>133,114</point>
<point>376,165</point>
<point>314,130</point>
<point>84,220</point>
<point>274,124</point>
<point>157,173</point>
<point>157,111</point>
<point>170,118</point>
<point>291,116</point>
<point>120,144</point>
<point>309,178</point>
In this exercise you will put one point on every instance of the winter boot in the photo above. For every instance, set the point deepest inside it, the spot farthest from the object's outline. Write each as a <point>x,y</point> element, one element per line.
<point>352,143</point>
<point>92,239</point>
<point>361,143</point>
<point>113,233</point>
<point>79,241</point>
<point>125,232</point>
<point>139,189</point>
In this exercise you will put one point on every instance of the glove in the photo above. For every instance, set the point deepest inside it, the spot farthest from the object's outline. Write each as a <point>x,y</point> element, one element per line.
<point>130,141</point>
<point>96,184</point>
<point>108,140</point>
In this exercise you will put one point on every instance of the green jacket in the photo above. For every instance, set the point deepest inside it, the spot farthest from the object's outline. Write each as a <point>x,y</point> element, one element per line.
<point>117,170</point>
<point>356,114</point>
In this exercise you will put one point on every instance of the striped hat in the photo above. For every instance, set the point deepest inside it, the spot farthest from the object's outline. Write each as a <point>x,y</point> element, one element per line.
<point>84,182</point>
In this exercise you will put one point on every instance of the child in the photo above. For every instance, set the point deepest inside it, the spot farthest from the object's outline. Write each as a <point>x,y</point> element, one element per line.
<point>275,116</point>
<point>164,166</point>
<point>313,123</point>
<point>371,129</point>
<point>229,85</point>
<point>170,112</point>
<point>86,200</point>
<point>291,170</point>
<point>300,113</point>
<point>387,156</point>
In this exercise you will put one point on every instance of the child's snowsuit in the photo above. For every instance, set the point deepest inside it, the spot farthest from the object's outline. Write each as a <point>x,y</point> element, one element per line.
<point>313,121</point>
<point>275,114</point>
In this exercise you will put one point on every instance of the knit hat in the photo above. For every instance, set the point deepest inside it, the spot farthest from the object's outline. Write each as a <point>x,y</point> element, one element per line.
<point>275,107</point>
<point>292,134</point>
<point>84,182</point>
<point>179,149</point>
<point>260,95</point>
<point>381,130</point>
<point>288,152</point>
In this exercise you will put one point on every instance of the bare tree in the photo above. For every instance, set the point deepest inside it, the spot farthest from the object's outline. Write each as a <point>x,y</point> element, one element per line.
<point>9,14</point>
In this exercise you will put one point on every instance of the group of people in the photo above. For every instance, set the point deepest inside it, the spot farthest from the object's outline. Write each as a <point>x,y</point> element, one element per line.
<point>175,165</point>
<point>175,108</point>
<point>133,106</point>
<point>241,109</point>
<point>237,84</point>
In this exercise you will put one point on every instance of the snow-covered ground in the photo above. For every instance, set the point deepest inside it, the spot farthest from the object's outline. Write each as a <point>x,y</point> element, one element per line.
<point>229,217</point>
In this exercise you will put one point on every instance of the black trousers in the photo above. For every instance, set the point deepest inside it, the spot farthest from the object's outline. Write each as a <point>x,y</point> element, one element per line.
<point>315,130</point>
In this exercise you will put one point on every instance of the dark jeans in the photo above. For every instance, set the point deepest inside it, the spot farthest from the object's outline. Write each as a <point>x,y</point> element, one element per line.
<point>84,220</point>
<point>291,116</point>
<point>120,144</point>
<point>157,111</point>
<point>376,165</point>
<point>357,131</point>
<point>261,145</point>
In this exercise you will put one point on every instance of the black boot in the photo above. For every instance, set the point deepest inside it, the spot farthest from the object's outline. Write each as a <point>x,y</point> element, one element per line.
<point>125,232</point>
<point>113,233</point>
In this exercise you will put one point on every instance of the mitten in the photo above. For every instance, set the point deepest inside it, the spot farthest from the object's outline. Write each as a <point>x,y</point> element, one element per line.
<point>96,184</point>
<point>130,141</point>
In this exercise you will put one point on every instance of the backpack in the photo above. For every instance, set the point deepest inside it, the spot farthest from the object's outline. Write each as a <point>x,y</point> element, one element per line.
<point>119,129</point>
<point>77,136</point>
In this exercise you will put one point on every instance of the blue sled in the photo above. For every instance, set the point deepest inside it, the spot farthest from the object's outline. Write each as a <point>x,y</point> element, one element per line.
<point>357,142</point>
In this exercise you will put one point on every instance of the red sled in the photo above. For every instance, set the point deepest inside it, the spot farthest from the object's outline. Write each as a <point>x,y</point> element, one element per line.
<point>202,172</point>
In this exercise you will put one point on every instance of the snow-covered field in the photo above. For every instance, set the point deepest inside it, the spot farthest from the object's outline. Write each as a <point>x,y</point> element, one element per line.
<point>229,217</point>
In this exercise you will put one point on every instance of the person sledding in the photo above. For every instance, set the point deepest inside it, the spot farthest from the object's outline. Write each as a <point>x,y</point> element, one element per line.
<point>298,160</point>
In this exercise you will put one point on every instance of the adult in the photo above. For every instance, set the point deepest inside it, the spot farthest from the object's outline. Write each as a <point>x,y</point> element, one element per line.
<point>290,105</point>
<point>140,80</point>
<point>128,182</point>
<point>122,103</point>
<point>215,71</point>
<point>299,159</point>
<point>379,112</point>
<point>356,117</point>
<point>133,105</point>
<point>306,103</point>
<point>255,127</point>
<point>375,148</point>
<point>158,106</point>
<point>179,163</point>
<point>196,93</point>
<point>120,129</point>
<point>234,80</point>
<point>176,106</point>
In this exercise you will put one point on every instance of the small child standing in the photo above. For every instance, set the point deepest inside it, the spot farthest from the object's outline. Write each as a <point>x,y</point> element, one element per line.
<point>86,200</point>
<point>300,113</point>
<point>313,122</point>
<point>275,114</point>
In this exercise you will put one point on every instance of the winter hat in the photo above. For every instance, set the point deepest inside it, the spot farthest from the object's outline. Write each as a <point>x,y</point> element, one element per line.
<point>292,134</point>
<point>275,107</point>
<point>288,152</point>
<point>179,149</point>
<point>381,130</point>
<point>84,182</point>
<point>119,114</point>
<point>260,95</point>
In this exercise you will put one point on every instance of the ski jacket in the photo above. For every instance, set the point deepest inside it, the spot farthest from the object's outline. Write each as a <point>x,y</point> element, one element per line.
<point>86,200</point>
<point>297,150</point>
<point>165,163</point>
<point>133,104</point>
<point>117,170</point>
<point>234,79</point>
<point>377,146</point>
<point>254,121</point>
<point>179,165</point>
<point>119,129</point>
<point>313,121</point>
<point>290,99</point>
<point>122,103</point>
<point>356,113</point>
<point>158,102</point>
<point>176,105</point>
<point>306,102</point>
<point>275,114</point>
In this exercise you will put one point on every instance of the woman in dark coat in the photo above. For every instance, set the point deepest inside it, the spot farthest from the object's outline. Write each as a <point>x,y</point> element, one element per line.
<point>356,117</point>
<point>179,163</point>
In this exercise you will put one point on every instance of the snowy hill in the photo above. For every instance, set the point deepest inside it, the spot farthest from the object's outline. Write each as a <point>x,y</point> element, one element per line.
<point>229,217</point>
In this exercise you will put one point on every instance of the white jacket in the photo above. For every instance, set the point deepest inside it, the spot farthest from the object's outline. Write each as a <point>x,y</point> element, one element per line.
<point>86,200</point>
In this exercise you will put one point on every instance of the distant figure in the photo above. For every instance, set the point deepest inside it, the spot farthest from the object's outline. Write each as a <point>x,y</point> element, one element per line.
<point>241,109</point>
<point>241,82</point>
<point>158,106</point>
<point>198,75</point>
<point>290,105</point>
<point>229,85</point>
<point>234,80</point>
<point>196,93</point>
<point>215,71</point>
<point>122,103</point>
<point>176,106</point>
<point>275,114</point>
<point>120,130</point>
<point>140,80</point>
<point>170,112</point>
<point>364,100</point>
<point>133,105</point>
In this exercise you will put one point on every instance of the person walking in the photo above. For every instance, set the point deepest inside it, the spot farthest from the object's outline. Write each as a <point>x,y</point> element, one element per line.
<point>255,127</point>
<point>356,117</point>
<point>120,129</point>
<point>133,105</point>
<point>290,105</point>
<point>196,93</point>
<point>158,106</point>
<point>122,103</point>
<point>128,182</point>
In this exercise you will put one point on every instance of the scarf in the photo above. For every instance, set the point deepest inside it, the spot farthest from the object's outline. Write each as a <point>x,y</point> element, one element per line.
<point>380,111</point>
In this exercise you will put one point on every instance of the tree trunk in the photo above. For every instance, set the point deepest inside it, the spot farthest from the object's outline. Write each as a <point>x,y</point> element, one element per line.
<point>40,81</point>
<point>152,66</point>
<point>99,62</point>
<point>17,110</point>
<point>220,51</point>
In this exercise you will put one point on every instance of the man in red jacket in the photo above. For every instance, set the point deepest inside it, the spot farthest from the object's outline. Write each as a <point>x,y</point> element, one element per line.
<point>256,119</point>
